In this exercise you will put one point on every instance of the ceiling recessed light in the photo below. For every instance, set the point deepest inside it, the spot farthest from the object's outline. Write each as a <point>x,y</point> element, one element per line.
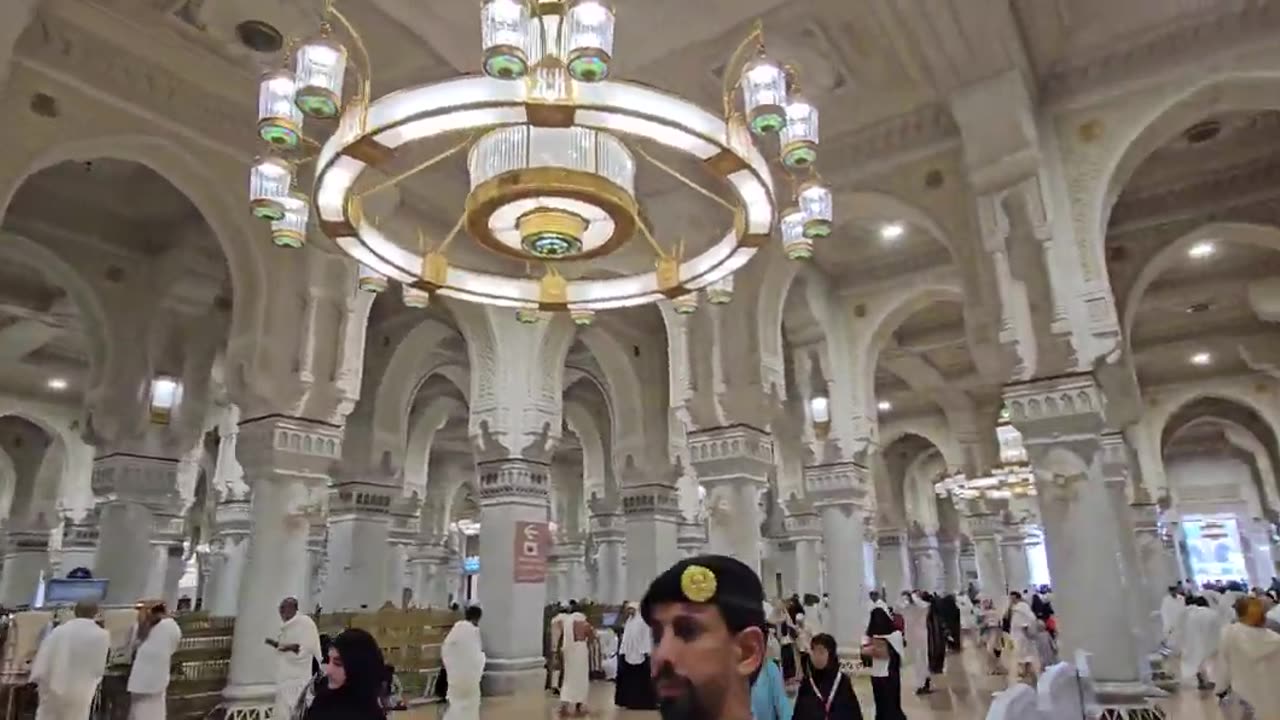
<point>1201,250</point>
<point>891,231</point>
<point>56,384</point>
<point>884,405</point>
<point>1201,358</point>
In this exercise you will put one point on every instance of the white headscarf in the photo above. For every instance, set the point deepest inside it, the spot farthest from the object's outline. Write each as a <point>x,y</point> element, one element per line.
<point>637,638</point>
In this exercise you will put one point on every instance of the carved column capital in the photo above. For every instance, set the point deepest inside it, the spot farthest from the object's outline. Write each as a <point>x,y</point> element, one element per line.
<point>651,499</point>
<point>513,479</point>
<point>731,453</point>
<point>843,483</point>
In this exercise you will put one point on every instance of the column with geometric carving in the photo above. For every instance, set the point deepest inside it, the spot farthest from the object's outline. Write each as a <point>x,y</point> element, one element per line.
<point>804,529</point>
<point>137,500</point>
<point>733,464</point>
<point>402,534</point>
<point>840,493</point>
<point>949,554</point>
<point>359,545</point>
<point>691,539</point>
<point>286,463</point>
<point>229,552</point>
<point>651,512</point>
<point>926,562</point>
<point>1083,506</point>
<point>893,566</point>
<point>984,528</point>
<point>1013,554</point>
<point>79,543</point>
<point>608,534</point>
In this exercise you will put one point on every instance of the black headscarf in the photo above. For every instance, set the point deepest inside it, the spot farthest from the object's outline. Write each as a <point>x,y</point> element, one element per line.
<point>880,625</point>
<point>358,698</point>
<point>824,677</point>
<point>823,683</point>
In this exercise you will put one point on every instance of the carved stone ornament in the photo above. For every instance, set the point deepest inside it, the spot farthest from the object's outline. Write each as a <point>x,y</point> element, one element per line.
<point>1049,410</point>
<point>845,483</point>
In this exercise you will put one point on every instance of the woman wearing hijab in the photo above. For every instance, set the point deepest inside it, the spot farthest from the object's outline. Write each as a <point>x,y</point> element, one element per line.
<point>885,649</point>
<point>351,686</point>
<point>634,688</point>
<point>827,693</point>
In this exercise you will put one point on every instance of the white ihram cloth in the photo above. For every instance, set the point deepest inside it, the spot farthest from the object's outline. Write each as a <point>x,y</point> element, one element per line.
<point>1021,622</point>
<point>1197,635</point>
<point>915,616</point>
<point>609,653</point>
<point>149,676</point>
<point>577,662</point>
<point>464,659</point>
<point>293,670</point>
<point>968,618</point>
<point>1171,609</point>
<point>1249,664</point>
<point>68,668</point>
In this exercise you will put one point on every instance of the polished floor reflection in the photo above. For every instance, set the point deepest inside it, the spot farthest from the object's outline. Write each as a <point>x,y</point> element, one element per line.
<point>963,693</point>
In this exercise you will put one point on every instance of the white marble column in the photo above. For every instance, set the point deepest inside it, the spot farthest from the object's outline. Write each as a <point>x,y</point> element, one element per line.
<point>286,462</point>
<point>651,514</point>
<point>952,576</point>
<point>893,567</point>
<point>230,552</point>
<point>138,500</point>
<point>1261,564</point>
<point>987,556</point>
<point>572,576</point>
<point>429,565</point>
<point>804,529</point>
<point>926,563</point>
<point>79,543</point>
<point>869,574</point>
<point>733,464</point>
<point>1080,485</point>
<point>1017,565</point>
<point>402,534</point>
<point>609,536</point>
<point>1153,561</point>
<point>840,493</point>
<point>317,571</point>
<point>513,513</point>
<point>358,547</point>
<point>692,538</point>
<point>26,557</point>
<point>968,563</point>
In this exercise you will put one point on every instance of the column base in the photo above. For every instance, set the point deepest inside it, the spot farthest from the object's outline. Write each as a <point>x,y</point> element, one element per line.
<point>247,702</point>
<point>1129,701</point>
<point>510,677</point>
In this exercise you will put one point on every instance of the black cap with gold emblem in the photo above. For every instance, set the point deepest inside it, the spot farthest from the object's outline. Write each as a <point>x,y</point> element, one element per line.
<point>712,579</point>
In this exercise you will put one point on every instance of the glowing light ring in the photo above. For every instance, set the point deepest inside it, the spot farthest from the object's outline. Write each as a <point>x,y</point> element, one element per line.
<point>478,102</point>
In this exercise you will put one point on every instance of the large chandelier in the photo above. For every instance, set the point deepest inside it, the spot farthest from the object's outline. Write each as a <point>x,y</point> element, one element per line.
<point>1013,478</point>
<point>552,145</point>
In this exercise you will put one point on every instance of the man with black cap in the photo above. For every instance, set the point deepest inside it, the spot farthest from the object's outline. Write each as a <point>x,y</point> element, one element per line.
<point>707,617</point>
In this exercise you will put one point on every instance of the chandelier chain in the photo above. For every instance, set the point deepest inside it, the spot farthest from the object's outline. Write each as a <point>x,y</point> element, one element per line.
<point>366,75</point>
<point>756,37</point>
<point>693,185</point>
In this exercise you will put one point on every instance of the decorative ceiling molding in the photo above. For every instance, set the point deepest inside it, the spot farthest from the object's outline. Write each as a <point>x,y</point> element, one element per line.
<point>1199,194</point>
<point>1127,66</point>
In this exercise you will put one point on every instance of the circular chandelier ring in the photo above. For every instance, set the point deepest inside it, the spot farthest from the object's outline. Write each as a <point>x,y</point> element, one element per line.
<point>477,103</point>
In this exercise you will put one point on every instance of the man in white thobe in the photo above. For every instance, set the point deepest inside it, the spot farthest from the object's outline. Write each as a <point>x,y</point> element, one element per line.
<point>297,647</point>
<point>464,659</point>
<point>69,666</point>
<point>1171,608</point>
<point>575,631</point>
<point>1022,623</point>
<point>156,639</point>
<point>1197,634</point>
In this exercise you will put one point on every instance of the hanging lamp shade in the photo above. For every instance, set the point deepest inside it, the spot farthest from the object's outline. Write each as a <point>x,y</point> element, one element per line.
<point>800,134</point>
<point>583,318</point>
<point>720,292</point>
<point>320,69</point>
<point>291,229</point>
<point>685,304</point>
<point>794,242</point>
<point>764,92</point>
<point>269,183</point>
<point>371,280</point>
<point>528,316</point>
<point>504,30</point>
<point>279,119</point>
<point>414,298</point>
<point>815,201</point>
<point>588,39</point>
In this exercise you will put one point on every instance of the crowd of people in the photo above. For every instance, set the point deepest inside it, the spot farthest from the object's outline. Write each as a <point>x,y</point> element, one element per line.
<point>1226,638</point>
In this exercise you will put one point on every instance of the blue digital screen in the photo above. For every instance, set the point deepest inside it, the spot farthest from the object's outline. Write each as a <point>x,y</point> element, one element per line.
<point>471,564</point>
<point>67,592</point>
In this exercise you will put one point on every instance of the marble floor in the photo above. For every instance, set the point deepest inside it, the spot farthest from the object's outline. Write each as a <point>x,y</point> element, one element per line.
<point>963,693</point>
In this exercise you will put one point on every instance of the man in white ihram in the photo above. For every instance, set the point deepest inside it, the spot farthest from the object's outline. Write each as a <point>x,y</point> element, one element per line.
<point>297,646</point>
<point>156,639</point>
<point>464,659</point>
<point>69,666</point>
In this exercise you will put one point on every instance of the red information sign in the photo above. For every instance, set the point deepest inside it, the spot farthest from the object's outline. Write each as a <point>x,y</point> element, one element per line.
<point>532,540</point>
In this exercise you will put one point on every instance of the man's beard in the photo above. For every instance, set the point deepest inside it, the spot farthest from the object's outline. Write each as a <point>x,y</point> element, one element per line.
<point>688,705</point>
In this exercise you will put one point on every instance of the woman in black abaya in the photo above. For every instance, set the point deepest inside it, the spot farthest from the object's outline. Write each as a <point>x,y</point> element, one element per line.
<point>827,693</point>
